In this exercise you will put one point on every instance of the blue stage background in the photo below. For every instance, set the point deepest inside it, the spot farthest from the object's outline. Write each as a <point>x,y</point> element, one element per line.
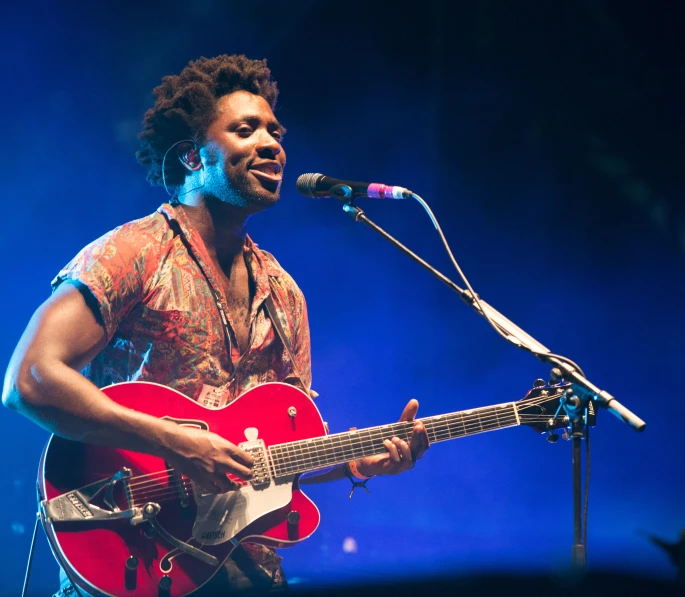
<point>548,142</point>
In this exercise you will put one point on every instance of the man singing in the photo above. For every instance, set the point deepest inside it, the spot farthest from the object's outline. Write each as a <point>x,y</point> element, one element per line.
<point>186,299</point>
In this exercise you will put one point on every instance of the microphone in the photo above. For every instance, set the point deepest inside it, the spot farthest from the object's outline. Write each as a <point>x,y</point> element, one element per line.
<point>318,185</point>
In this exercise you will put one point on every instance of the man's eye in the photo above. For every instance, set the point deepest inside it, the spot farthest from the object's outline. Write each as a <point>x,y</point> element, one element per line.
<point>244,131</point>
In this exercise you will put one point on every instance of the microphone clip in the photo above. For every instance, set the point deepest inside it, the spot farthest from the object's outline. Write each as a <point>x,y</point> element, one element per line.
<point>342,191</point>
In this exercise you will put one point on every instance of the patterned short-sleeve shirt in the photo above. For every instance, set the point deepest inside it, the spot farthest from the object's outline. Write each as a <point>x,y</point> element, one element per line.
<point>157,292</point>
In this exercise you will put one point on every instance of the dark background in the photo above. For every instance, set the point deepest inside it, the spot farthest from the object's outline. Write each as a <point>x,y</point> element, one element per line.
<point>546,137</point>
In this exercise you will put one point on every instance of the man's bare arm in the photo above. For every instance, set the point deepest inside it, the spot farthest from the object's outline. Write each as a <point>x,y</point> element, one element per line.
<point>43,384</point>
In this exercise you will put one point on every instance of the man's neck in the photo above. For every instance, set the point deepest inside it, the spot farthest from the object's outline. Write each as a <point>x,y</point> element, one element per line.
<point>222,227</point>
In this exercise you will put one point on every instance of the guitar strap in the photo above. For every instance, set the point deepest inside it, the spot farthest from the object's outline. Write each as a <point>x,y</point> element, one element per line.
<point>174,225</point>
<point>278,326</point>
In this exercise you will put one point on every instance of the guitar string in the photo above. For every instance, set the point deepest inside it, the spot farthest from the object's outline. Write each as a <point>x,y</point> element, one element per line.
<point>171,492</point>
<point>153,481</point>
<point>440,432</point>
<point>440,419</point>
<point>440,426</point>
<point>172,488</point>
<point>166,493</point>
<point>326,454</point>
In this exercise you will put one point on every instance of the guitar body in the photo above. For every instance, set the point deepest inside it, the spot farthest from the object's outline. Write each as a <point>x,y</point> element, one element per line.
<point>110,556</point>
<point>125,524</point>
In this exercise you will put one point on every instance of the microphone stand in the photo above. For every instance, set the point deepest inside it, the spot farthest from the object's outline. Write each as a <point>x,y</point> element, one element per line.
<point>576,401</point>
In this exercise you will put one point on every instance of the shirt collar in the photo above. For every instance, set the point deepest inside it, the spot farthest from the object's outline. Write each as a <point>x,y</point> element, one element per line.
<point>261,265</point>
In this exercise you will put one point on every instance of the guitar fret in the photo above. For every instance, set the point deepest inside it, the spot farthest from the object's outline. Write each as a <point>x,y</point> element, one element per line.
<point>430,430</point>
<point>463,425</point>
<point>315,453</point>
<point>292,455</point>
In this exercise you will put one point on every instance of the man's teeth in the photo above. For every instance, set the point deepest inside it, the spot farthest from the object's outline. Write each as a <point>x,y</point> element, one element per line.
<point>268,170</point>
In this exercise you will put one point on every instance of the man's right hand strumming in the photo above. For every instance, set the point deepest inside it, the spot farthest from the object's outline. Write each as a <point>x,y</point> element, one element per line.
<point>207,459</point>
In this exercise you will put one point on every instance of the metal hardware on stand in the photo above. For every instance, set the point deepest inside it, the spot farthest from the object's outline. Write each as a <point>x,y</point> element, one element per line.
<point>581,417</point>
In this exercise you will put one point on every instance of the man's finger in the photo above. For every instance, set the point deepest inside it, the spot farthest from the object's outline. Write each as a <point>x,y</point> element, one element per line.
<point>403,447</point>
<point>410,410</point>
<point>419,438</point>
<point>392,450</point>
<point>239,470</point>
<point>239,455</point>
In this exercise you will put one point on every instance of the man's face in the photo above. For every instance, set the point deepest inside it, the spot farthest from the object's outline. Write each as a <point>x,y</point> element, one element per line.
<point>242,153</point>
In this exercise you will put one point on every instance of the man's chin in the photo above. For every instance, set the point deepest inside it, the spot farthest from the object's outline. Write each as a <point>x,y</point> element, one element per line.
<point>252,195</point>
<point>262,199</point>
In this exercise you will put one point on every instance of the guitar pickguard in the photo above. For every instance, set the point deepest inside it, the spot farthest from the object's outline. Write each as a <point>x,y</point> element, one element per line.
<point>221,517</point>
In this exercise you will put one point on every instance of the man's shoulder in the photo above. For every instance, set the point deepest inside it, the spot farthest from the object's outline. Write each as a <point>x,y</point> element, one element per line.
<point>150,231</point>
<point>154,224</point>
<point>271,261</point>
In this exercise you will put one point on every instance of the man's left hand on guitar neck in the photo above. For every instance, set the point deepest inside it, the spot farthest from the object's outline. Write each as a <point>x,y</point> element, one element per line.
<point>400,456</point>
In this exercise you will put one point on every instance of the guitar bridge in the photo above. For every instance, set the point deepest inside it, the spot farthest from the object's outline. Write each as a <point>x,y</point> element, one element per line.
<point>78,506</point>
<point>261,475</point>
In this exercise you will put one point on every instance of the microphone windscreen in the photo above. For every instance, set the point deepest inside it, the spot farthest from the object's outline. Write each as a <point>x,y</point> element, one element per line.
<point>306,184</point>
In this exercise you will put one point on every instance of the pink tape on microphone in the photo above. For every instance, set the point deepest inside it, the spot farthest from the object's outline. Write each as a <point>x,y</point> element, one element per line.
<point>377,190</point>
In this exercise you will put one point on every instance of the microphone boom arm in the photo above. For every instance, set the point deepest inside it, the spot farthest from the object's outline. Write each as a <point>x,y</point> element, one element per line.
<point>511,331</point>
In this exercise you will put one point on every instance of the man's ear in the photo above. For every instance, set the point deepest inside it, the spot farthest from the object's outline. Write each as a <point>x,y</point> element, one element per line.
<point>189,156</point>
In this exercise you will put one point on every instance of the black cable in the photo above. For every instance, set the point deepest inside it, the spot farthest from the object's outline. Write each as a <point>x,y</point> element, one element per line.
<point>475,297</point>
<point>30,559</point>
<point>560,358</point>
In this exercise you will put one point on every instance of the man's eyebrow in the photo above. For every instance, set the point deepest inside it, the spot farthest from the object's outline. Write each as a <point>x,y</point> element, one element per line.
<point>272,122</point>
<point>276,124</point>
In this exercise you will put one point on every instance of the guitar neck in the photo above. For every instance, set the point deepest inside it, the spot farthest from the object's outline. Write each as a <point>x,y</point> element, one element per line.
<point>313,454</point>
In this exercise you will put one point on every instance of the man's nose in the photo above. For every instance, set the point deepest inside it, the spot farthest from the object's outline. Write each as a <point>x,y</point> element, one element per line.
<point>267,142</point>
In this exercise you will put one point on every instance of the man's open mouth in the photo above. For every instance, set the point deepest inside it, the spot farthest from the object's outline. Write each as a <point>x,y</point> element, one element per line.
<point>268,171</point>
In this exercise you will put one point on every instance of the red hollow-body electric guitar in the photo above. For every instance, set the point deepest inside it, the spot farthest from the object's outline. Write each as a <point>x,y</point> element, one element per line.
<point>124,523</point>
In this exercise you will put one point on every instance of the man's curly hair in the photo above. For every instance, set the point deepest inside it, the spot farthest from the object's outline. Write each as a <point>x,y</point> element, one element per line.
<point>185,106</point>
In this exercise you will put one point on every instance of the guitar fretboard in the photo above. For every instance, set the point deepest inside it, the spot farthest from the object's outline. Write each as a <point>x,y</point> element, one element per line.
<point>321,452</point>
